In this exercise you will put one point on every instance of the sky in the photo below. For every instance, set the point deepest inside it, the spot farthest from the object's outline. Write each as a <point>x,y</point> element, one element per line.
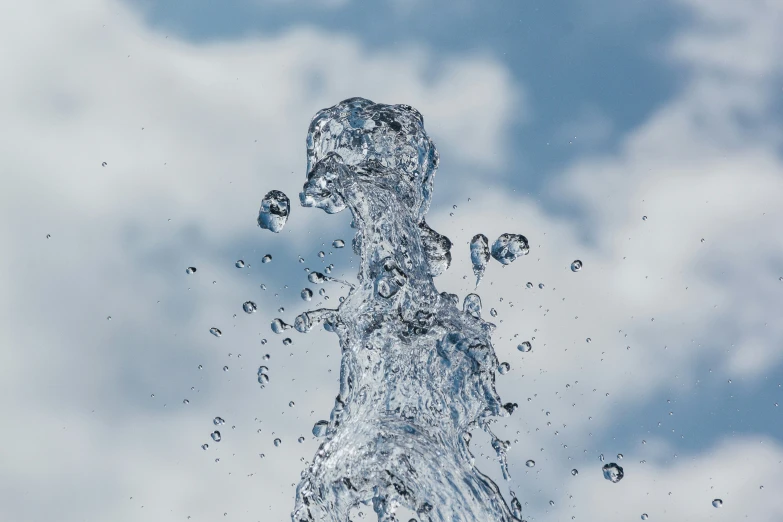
<point>644,139</point>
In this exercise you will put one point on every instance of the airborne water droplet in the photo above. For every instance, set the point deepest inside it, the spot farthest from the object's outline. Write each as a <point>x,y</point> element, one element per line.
<point>530,463</point>
<point>338,243</point>
<point>278,326</point>
<point>266,259</point>
<point>215,331</point>
<point>574,472</point>
<point>190,270</point>
<point>576,266</point>
<point>205,446</point>
<point>274,210</point>
<point>717,503</point>
<point>319,428</point>
<point>644,516</point>
<point>239,264</point>
<point>508,247</point>
<point>217,421</point>
<point>278,442</point>
<point>316,278</point>
<point>216,436</point>
<point>524,346</point>
<point>613,472</point>
<point>503,368</point>
<point>479,255</point>
<point>307,294</point>
<point>249,307</point>
<point>287,341</point>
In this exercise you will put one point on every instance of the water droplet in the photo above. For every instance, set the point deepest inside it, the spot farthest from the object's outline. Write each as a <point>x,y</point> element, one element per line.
<point>300,440</point>
<point>273,213</point>
<point>717,503</point>
<point>307,294</point>
<point>493,312</point>
<point>239,264</point>
<point>278,326</point>
<point>529,284</point>
<point>508,247</point>
<point>644,516</point>
<point>319,428</point>
<point>215,331</point>
<point>249,307</point>
<point>200,367</point>
<point>530,463</point>
<point>479,255</point>
<point>316,278</point>
<point>338,243</point>
<point>225,368</point>
<point>278,442</point>
<point>541,286</point>
<point>108,318</point>
<point>321,254</point>
<point>185,401</point>
<point>588,340</point>
<point>613,472</point>
<point>524,346</point>
<point>291,404</point>
<point>205,447</point>
<point>103,164</point>
<point>503,368</point>
<point>619,456</point>
<point>576,266</point>
<point>551,502</point>
<point>190,270</point>
<point>48,236</point>
<point>217,421</point>
<point>287,341</point>
<point>574,472</point>
<point>601,457</point>
<point>216,436</point>
<point>644,218</point>
<point>266,259</point>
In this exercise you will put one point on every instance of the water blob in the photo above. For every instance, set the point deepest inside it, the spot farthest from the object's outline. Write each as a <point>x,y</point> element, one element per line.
<point>306,294</point>
<point>249,307</point>
<point>717,503</point>
<point>613,472</point>
<point>266,259</point>
<point>215,331</point>
<point>274,210</point>
<point>216,436</point>
<point>576,266</point>
<point>190,270</point>
<point>338,243</point>
<point>524,346</point>
<point>479,255</point>
<point>239,264</point>
<point>508,247</point>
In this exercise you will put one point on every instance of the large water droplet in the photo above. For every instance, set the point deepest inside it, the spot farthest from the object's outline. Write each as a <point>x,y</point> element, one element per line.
<point>319,428</point>
<point>278,326</point>
<point>472,305</point>
<point>479,255</point>
<point>215,331</point>
<point>576,266</point>
<point>316,278</point>
<point>249,307</point>
<point>274,210</point>
<point>503,368</point>
<point>508,247</point>
<point>613,472</point>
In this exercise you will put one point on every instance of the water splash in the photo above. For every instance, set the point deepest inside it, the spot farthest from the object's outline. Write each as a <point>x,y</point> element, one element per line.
<point>417,374</point>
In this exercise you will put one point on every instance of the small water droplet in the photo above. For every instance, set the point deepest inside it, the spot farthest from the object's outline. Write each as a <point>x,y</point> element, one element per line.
<point>574,472</point>
<point>551,502</point>
<point>588,340</point>
<point>217,421</point>
<point>185,401</point>
<point>321,254</point>
<point>278,326</point>
<point>215,331</point>
<point>205,447</point>
<point>103,164</point>
<point>278,442</point>
<point>717,503</point>
<point>576,266</point>
<point>493,312</point>
<point>291,404</point>
<point>239,264</point>
<point>216,436</point>
<point>529,284</point>
<point>524,346</point>
<point>267,258</point>
<point>530,463</point>
<point>644,516</point>
<point>108,318</point>
<point>338,243</point>
<point>287,341</point>
<point>249,307</point>
<point>644,218</point>
<point>190,270</point>
<point>619,456</point>
<point>225,368</point>
<point>307,294</point>
<point>316,278</point>
<point>541,286</point>
<point>503,368</point>
<point>702,240</point>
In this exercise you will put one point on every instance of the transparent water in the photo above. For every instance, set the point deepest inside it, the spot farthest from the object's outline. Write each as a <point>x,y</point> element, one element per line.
<point>417,372</point>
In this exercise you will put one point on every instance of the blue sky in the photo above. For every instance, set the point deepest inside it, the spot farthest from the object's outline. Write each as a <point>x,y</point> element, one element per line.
<point>676,109</point>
